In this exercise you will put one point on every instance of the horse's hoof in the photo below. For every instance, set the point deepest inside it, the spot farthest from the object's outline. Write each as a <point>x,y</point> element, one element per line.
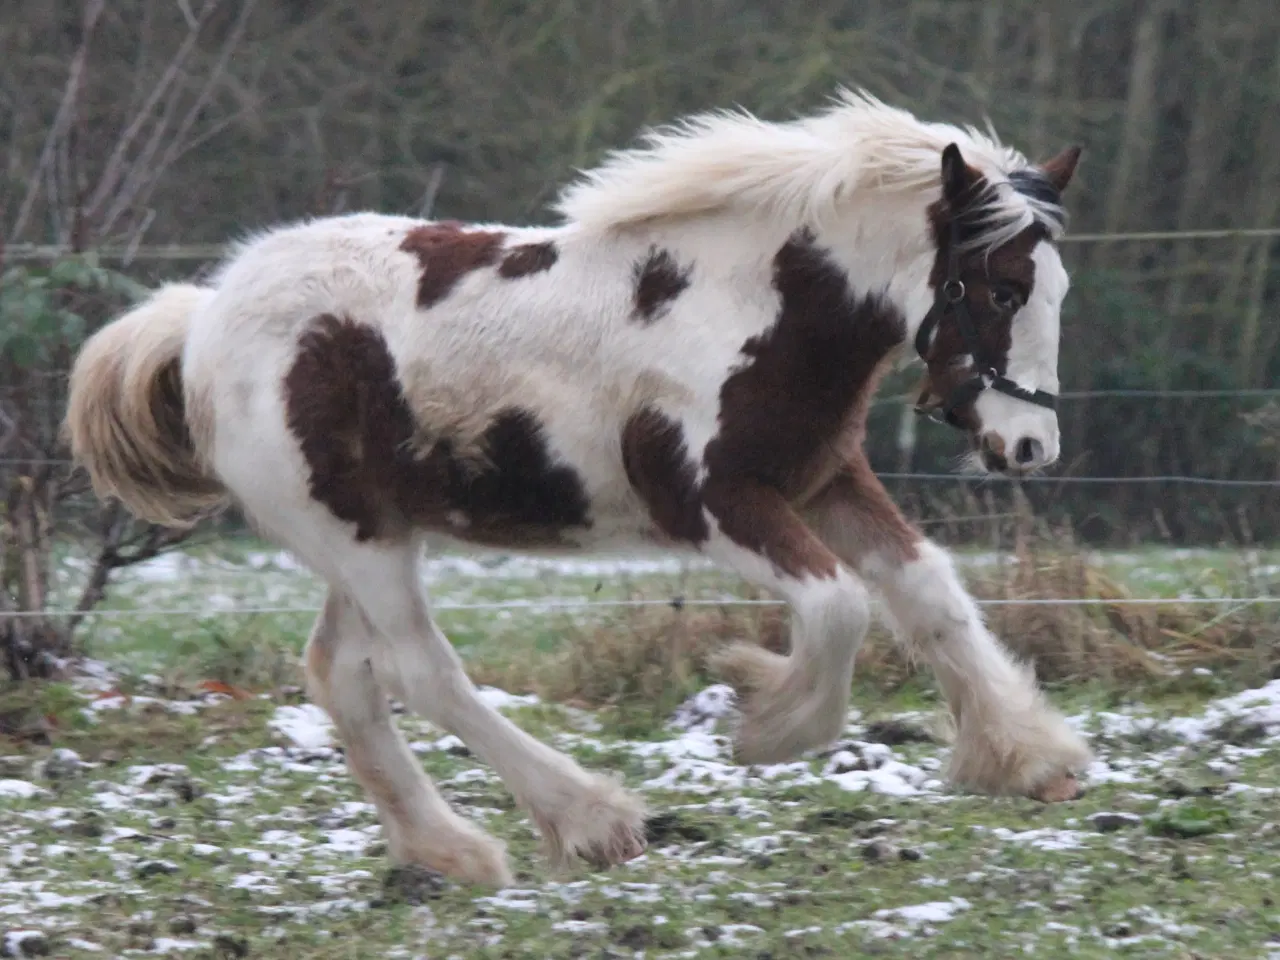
<point>1058,789</point>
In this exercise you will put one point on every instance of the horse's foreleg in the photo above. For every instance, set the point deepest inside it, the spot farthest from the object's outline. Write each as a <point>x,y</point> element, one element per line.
<point>792,703</point>
<point>1009,738</point>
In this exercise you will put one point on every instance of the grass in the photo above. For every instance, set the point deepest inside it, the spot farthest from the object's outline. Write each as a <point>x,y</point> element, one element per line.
<point>249,847</point>
<point>39,715</point>
<point>243,852</point>
<point>653,655</point>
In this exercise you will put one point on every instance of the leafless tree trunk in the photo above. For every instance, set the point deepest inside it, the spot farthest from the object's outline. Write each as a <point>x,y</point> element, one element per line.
<point>1138,130</point>
<point>1043,81</point>
<point>1265,205</point>
<point>171,117</point>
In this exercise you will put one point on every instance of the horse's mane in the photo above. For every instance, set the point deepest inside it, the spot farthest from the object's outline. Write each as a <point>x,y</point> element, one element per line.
<point>803,171</point>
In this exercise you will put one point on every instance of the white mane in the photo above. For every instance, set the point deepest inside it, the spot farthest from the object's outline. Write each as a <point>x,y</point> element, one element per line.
<point>800,172</point>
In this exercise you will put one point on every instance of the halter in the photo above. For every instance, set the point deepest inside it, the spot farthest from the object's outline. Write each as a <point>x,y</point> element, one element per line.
<point>950,299</point>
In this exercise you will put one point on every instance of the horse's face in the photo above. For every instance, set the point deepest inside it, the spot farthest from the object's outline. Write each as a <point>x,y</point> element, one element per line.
<point>992,345</point>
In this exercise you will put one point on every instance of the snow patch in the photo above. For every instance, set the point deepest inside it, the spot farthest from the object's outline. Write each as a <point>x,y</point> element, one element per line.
<point>20,789</point>
<point>703,711</point>
<point>501,700</point>
<point>306,725</point>
<point>513,899</point>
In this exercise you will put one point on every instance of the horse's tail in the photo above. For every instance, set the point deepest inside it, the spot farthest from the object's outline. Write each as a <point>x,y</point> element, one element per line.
<point>127,417</point>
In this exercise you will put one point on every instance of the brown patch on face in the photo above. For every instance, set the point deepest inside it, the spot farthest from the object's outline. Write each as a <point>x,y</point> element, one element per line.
<point>446,254</point>
<point>657,463</point>
<point>528,258</point>
<point>346,407</point>
<point>659,280</point>
<point>1007,269</point>
<point>799,405</point>
<point>855,516</point>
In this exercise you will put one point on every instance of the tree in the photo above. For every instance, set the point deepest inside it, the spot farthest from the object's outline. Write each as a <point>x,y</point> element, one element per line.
<point>99,164</point>
<point>44,313</point>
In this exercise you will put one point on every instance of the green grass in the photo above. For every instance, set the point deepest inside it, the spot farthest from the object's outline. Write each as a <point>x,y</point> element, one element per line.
<point>233,573</point>
<point>768,867</point>
<point>246,852</point>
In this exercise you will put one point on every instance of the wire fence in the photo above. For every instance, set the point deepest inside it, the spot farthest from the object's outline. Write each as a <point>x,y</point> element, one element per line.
<point>955,478</point>
<point>945,477</point>
<point>674,603</point>
<point>207,252</point>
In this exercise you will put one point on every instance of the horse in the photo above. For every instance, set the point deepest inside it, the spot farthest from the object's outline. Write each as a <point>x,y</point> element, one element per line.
<point>685,359</point>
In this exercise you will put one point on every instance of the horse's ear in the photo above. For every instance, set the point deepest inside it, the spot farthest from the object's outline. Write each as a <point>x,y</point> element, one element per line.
<point>1062,168</point>
<point>958,177</point>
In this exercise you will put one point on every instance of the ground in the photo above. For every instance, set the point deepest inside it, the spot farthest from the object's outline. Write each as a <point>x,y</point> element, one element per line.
<point>145,813</point>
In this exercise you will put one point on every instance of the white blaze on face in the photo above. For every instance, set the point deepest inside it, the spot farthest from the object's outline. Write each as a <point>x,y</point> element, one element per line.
<point>1030,432</point>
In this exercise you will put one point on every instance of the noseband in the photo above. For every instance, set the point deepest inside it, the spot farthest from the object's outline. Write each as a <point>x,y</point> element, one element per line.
<point>951,299</point>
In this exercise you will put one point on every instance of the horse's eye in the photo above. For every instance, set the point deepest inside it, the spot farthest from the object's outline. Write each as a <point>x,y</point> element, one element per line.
<point>1005,297</point>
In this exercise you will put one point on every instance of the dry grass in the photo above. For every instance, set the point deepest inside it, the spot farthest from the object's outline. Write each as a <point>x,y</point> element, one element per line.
<point>650,656</point>
<point>653,657</point>
<point>1113,641</point>
<point>36,714</point>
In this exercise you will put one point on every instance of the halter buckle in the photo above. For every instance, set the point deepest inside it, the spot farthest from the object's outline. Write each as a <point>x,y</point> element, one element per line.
<point>951,296</point>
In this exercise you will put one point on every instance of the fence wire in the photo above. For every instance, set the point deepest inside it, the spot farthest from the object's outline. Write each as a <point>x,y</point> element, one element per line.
<point>674,603</point>
<point>933,477</point>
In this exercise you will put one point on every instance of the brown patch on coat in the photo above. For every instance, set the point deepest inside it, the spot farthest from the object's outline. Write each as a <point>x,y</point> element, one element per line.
<point>318,654</point>
<point>659,280</point>
<point>518,494</point>
<point>758,518</point>
<point>528,258</point>
<point>447,253</point>
<point>346,407</point>
<point>855,516</point>
<point>798,407</point>
<point>807,378</point>
<point>657,464</point>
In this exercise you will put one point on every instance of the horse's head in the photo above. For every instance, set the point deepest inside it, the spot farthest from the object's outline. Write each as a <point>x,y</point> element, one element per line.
<point>990,341</point>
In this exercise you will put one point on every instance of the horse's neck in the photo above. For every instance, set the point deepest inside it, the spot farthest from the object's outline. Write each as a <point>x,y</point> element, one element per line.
<point>885,255</point>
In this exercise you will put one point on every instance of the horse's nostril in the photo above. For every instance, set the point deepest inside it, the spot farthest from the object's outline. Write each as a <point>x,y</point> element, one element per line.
<point>1028,451</point>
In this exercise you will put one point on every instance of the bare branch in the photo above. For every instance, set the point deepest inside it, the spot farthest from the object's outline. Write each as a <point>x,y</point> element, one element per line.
<point>185,7</point>
<point>140,189</point>
<point>113,555</point>
<point>62,119</point>
<point>114,168</point>
<point>8,431</point>
<point>140,169</point>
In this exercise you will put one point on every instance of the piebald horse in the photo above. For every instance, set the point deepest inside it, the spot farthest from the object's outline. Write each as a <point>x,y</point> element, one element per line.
<point>687,359</point>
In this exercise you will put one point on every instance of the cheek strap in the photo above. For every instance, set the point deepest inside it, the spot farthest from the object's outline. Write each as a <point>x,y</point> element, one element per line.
<point>951,300</point>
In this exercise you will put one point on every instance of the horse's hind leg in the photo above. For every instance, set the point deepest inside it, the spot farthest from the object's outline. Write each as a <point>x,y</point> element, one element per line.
<point>420,826</point>
<point>579,814</point>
